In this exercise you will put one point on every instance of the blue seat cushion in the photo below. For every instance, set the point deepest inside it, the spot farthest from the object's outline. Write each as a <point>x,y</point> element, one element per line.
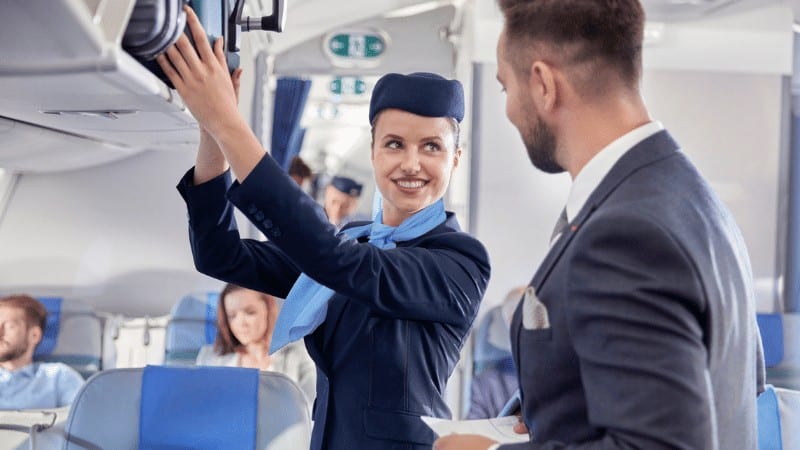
<point>50,332</point>
<point>198,407</point>
<point>771,328</point>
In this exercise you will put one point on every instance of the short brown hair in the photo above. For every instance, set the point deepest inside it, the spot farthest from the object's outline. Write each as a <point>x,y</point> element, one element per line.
<point>35,312</point>
<point>226,342</point>
<point>299,168</point>
<point>605,33</point>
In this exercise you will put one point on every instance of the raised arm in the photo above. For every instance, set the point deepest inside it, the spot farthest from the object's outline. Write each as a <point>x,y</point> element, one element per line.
<point>217,247</point>
<point>201,78</point>
<point>211,161</point>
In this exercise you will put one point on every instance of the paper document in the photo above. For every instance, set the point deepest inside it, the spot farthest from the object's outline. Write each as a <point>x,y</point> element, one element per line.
<point>500,429</point>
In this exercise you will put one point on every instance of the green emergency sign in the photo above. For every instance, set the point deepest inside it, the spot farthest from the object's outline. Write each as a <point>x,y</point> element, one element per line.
<point>357,45</point>
<point>348,85</point>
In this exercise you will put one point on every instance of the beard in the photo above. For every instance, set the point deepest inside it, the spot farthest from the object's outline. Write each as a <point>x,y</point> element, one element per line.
<point>12,353</point>
<point>540,142</point>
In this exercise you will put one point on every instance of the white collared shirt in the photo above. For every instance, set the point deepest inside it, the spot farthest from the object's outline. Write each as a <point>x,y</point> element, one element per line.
<point>598,167</point>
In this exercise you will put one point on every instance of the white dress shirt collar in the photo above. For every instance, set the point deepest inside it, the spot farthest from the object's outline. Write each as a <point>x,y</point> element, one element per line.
<point>596,169</point>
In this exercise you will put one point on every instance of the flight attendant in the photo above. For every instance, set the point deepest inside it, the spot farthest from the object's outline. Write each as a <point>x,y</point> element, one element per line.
<point>386,305</point>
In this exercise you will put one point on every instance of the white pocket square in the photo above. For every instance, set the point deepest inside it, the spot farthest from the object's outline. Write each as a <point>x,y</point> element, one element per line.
<point>534,313</point>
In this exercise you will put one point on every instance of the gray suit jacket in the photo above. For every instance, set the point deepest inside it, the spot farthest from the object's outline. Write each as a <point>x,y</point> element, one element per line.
<point>649,340</point>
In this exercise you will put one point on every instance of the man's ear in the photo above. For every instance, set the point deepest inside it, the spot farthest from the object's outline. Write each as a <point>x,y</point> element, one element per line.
<point>542,85</point>
<point>34,335</point>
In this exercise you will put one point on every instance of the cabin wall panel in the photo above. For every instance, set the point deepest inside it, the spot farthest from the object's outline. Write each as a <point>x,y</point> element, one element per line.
<point>113,235</point>
<point>730,125</point>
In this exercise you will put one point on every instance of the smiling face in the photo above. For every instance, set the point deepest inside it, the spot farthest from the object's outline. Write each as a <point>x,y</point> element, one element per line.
<point>413,158</point>
<point>248,315</point>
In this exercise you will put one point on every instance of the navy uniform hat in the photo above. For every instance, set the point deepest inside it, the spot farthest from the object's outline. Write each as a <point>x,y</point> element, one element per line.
<point>423,94</point>
<point>347,185</point>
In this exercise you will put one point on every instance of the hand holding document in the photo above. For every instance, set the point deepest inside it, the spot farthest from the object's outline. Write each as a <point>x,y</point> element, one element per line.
<point>500,429</point>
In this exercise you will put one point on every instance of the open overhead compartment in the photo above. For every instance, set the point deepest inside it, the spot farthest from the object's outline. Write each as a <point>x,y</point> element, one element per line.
<point>63,73</point>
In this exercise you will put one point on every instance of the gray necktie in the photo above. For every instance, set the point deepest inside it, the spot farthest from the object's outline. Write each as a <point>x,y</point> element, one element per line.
<point>561,225</point>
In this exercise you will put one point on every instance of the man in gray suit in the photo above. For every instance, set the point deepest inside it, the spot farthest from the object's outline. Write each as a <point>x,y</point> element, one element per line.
<point>638,330</point>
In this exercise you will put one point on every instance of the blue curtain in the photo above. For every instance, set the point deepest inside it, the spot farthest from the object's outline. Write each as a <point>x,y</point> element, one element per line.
<point>287,136</point>
<point>792,281</point>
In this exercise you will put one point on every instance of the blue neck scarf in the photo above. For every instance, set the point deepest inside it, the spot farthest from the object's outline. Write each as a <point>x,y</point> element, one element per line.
<point>307,303</point>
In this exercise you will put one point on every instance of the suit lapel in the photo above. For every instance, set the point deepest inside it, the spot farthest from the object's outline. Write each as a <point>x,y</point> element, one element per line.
<point>654,148</point>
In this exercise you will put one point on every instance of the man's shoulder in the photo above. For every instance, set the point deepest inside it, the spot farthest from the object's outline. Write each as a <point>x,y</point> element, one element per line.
<point>50,367</point>
<point>55,370</point>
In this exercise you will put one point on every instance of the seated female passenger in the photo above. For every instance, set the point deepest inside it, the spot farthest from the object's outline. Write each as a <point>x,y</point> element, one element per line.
<point>245,320</point>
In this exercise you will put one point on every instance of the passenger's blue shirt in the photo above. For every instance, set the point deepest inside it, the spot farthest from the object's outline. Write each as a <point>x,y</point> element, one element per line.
<point>39,385</point>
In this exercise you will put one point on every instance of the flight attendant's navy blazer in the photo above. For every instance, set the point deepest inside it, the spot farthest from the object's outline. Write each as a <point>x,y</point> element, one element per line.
<point>395,327</point>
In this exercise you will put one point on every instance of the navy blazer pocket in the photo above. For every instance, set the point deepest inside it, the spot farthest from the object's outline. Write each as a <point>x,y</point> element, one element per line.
<point>544,334</point>
<point>397,426</point>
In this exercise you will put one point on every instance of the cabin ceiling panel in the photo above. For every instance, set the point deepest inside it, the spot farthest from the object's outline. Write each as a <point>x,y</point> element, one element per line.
<point>405,35</point>
<point>758,39</point>
<point>677,10</point>
<point>112,235</point>
<point>309,18</point>
<point>667,10</point>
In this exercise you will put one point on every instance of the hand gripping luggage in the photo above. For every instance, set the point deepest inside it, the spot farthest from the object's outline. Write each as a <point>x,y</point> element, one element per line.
<point>156,24</point>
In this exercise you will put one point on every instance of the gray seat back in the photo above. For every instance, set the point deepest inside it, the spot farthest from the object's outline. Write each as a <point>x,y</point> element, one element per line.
<point>79,339</point>
<point>105,414</point>
<point>192,324</point>
<point>789,411</point>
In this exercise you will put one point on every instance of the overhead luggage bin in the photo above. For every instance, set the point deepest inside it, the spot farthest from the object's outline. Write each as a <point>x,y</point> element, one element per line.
<point>63,69</point>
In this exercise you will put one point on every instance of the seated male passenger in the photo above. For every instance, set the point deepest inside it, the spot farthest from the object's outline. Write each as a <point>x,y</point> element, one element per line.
<point>245,321</point>
<point>341,200</point>
<point>25,384</point>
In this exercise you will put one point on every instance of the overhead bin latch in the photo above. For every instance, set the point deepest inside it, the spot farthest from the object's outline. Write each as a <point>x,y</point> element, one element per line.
<point>237,24</point>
